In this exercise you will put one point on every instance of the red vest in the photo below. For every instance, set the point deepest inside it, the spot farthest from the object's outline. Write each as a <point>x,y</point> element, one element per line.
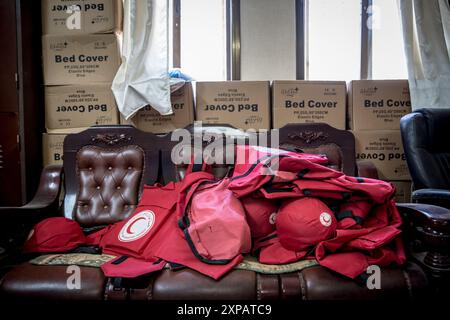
<point>152,234</point>
<point>368,222</point>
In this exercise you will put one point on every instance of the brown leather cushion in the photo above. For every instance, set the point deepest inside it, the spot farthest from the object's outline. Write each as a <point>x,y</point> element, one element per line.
<point>318,283</point>
<point>28,281</point>
<point>191,285</point>
<point>109,184</point>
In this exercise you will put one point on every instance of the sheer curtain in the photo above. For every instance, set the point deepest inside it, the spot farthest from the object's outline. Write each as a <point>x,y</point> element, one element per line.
<point>143,79</point>
<point>426,35</point>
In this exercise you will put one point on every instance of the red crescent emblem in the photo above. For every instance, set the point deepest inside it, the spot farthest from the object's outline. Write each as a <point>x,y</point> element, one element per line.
<point>132,224</point>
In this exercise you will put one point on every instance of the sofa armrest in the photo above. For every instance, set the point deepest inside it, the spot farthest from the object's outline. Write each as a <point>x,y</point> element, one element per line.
<point>437,197</point>
<point>429,225</point>
<point>16,221</point>
<point>367,169</point>
<point>45,199</point>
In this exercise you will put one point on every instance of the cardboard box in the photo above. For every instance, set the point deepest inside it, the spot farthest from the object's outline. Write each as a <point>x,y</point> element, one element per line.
<point>82,59</point>
<point>402,191</point>
<point>52,148</point>
<point>309,102</point>
<point>384,149</point>
<point>66,131</point>
<point>88,16</point>
<point>150,120</point>
<point>242,104</point>
<point>53,144</point>
<point>378,104</point>
<point>79,106</point>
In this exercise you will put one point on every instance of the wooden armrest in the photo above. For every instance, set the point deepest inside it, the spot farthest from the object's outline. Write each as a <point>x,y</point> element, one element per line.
<point>46,197</point>
<point>437,197</point>
<point>17,221</point>
<point>430,225</point>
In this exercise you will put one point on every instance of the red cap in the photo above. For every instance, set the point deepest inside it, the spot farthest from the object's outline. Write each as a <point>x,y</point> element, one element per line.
<point>302,223</point>
<point>55,235</point>
<point>275,253</point>
<point>260,214</point>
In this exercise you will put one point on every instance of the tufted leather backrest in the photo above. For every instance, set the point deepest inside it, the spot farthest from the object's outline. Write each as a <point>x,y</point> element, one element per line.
<point>109,182</point>
<point>320,138</point>
<point>425,135</point>
<point>337,145</point>
<point>105,169</point>
<point>331,150</point>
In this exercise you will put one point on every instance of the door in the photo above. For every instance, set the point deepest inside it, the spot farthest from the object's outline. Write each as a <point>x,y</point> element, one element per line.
<point>10,166</point>
<point>10,174</point>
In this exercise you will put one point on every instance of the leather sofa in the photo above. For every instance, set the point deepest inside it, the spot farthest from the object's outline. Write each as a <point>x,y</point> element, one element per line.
<point>425,135</point>
<point>105,168</point>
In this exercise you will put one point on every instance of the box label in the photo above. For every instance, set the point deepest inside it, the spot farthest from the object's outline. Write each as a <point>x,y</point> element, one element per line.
<point>384,149</point>
<point>378,104</point>
<point>309,102</point>
<point>242,104</point>
<point>80,59</point>
<point>79,106</point>
<point>81,16</point>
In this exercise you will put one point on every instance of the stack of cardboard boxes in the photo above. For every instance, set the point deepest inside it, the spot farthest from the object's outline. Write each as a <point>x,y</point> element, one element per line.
<point>375,109</point>
<point>80,57</point>
<point>248,104</point>
<point>371,109</point>
<point>80,63</point>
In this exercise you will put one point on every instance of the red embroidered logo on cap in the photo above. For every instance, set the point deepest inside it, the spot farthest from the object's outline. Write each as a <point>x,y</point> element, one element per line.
<point>273,218</point>
<point>325,219</point>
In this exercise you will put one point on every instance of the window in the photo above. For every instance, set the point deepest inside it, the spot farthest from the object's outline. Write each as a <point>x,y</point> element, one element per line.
<point>333,40</point>
<point>202,38</point>
<point>388,57</point>
<point>350,39</point>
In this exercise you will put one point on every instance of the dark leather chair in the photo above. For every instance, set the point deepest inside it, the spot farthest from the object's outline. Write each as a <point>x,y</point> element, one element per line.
<point>104,170</point>
<point>425,135</point>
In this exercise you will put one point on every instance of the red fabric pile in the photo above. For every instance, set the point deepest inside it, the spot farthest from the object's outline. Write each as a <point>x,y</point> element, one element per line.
<point>283,205</point>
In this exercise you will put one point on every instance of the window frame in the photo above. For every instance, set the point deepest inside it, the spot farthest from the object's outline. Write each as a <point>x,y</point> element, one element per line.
<point>233,38</point>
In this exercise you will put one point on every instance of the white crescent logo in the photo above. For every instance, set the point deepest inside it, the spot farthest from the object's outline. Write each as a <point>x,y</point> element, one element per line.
<point>325,219</point>
<point>138,226</point>
<point>273,218</point>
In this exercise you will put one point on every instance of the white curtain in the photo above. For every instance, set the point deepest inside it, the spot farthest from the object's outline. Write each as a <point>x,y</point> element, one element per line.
<point>143,79</point>
<point>426,35</point>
